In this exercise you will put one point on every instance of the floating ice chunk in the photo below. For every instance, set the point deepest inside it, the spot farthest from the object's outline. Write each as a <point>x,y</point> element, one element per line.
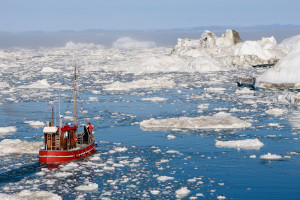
<point>154,192</point>
<point>87,187</point>
<point>252,156</point>
<point>217,121</point>
<point>50,70</point>
<point>171,137</point>
<point>121,149</point>
<point>8,130</point>
<point>69,167</point>
<point>240,144</point>
<point>164,178</point>
<point>173,152</point>
<point>129,43</point>
<point>10,146</point>
<point>63,174</point>
<point>182,192</point>
<point>244,91</point>
<point>137,159</point>
<point>142,84</point>
<point>270,156</point>
<point>35,124</point>
<point>275,111</point>
<point>40,84</point>
<point>155,99</point>
<point>26,194</point>
<point>93,99</point>
<point>221,197</point>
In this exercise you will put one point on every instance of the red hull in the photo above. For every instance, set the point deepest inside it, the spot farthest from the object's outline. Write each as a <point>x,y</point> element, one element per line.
<point>58,156</point>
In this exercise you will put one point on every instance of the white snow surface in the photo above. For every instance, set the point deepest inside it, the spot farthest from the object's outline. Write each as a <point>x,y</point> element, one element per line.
<point>129,43</point>
<point>8,130</point>
<point>11,146</point>
<point>218,121</point>
<point>250,144</point>
<point>27,194</point>
<point>287,70</point>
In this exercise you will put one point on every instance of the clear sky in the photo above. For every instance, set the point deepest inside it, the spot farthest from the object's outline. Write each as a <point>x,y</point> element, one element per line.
<point>55,15</point>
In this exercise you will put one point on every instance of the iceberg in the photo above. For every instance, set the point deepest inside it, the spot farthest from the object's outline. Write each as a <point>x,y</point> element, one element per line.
<point>229,50</point>
<point>286,73</point>
<point>218,121</point>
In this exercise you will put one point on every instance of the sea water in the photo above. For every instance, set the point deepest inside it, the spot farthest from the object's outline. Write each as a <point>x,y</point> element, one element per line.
<point>130,163</point>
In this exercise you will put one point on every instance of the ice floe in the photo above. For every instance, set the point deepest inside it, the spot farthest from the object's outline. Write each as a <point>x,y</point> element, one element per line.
<point>11,146</point>
<point>218,121</point>
<point>35,124</point>
<point>27,194</point>
<point>8,130</point>
<point>270,156</point>
<point>142,84</point>
<point>155,99</point>
<point>182,192</point>
<point>87,187</point>
<point>249,144</point>
<point>164,178</point>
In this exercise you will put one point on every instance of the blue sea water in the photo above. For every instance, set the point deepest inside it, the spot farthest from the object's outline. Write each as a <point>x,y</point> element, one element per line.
<point>128,160</point>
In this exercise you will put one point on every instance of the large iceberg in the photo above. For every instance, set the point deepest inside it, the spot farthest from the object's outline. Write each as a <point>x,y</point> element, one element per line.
<point>286,73</point>
<point>229,50</point>
<point>218,121</point>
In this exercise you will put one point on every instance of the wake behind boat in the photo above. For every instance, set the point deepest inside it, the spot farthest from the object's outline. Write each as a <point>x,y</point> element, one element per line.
<point>64,143</point>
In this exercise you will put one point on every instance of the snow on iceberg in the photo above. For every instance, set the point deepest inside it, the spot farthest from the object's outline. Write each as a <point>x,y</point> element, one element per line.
<point>129,43</point>
<point>8,130</point>
<point>249,144</point>
<point>265,49</point>
<point>286,73</point>
<point>218,121</point>
<point>141,84</point>
<point>11,146</point>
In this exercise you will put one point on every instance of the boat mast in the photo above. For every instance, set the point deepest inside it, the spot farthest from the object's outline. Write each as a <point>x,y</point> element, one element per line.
<point>75,104</point>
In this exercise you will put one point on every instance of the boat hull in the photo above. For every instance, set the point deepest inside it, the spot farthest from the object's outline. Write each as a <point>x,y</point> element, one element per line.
<point>61,156</point>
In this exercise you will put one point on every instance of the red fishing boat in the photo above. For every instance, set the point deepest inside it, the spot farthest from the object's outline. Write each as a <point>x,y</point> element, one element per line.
<point>64,143</point>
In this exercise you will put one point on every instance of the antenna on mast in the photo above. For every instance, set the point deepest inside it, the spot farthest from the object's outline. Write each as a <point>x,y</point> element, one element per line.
<point>75,103</point>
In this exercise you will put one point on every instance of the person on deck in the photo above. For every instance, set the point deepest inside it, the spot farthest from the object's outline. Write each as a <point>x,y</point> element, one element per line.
<point>90,128</point>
